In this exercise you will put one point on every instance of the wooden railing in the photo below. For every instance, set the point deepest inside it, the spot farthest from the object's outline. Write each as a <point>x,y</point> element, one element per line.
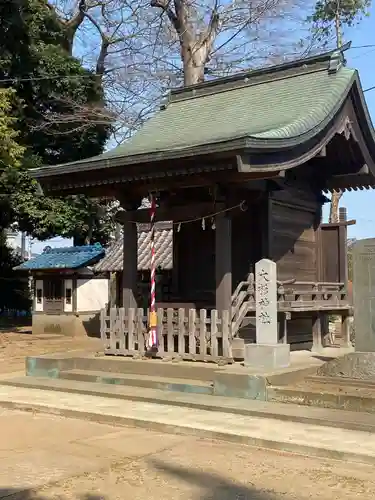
<point>309,296</point>
<point>181,334</point>
<point>292,296</point>
<point>241,302</point>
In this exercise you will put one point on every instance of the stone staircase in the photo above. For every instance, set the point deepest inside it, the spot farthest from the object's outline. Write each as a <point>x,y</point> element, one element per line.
<point>327,392</point>
<point>194,385</point>
<point>137,375</point>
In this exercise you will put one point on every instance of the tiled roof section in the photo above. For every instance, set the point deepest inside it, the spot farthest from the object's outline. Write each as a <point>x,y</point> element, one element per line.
<point>113,260</point>
<point>278,106</point>
<point>64,258</point>
<point>273,109</point>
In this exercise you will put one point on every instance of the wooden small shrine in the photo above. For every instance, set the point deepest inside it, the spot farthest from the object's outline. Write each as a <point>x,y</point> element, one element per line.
<point>242,165</point>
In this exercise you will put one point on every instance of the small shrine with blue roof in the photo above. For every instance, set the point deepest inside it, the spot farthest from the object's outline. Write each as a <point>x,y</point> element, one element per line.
<point>68,292</point>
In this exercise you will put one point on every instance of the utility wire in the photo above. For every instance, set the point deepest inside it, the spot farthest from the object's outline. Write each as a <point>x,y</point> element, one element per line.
<point>60,77</point>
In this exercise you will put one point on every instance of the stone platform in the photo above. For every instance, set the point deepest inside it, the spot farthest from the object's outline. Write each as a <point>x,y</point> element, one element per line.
<point>346,383</point>
<point>186,377</point>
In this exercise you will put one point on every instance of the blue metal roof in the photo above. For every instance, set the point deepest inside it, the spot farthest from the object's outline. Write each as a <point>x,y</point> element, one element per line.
<point>64,258</point>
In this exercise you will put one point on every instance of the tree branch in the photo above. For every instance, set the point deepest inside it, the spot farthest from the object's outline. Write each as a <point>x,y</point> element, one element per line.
<point>165,6</point>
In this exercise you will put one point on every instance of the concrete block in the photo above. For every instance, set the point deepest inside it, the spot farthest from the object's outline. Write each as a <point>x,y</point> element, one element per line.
<point>240,385</point>
<point>238,348</point>
<point>267,357</point>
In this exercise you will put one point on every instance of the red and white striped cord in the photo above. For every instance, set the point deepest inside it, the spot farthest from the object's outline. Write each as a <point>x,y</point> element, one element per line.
<point>152,338</point>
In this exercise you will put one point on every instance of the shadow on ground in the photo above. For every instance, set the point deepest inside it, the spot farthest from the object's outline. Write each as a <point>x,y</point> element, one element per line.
<point>213,487</point>
<point>15,327</point>
<point>13,494</point>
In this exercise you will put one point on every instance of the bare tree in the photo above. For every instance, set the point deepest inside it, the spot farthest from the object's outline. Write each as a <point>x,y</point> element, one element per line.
<point>140,48</point>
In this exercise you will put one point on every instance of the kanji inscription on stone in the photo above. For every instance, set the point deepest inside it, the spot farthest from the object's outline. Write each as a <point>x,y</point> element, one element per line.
<point>266,302</point>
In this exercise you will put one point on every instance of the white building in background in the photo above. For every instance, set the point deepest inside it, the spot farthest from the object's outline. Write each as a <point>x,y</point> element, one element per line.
<point>16,241</point>
<point>12,239</point>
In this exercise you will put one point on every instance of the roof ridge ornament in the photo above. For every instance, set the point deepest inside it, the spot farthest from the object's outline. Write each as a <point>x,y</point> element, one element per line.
<point>165,100</point>
<point>336,62</point>
<point>337,59</point>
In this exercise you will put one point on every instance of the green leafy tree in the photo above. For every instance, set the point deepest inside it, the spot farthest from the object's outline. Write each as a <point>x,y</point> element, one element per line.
<point>14,288</point>
<point>55,104</point>
<point>11,154</point>
<point>331,16</point>
<point>329,19</point>
<point>55,92</point>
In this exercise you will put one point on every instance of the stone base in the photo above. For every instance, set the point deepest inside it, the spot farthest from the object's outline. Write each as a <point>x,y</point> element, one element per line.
<point>70,325</point>
<point>267,357</point>
<point>238,348</point>
<point>355,365</point>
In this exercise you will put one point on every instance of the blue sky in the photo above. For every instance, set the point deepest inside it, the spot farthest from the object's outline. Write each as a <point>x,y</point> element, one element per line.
<point>359,204</point>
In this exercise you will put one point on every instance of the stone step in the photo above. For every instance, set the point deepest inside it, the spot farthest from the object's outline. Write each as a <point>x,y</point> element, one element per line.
<point>326,441</point>
<point>234,406</point>
<point>326,395</point>
<point>52,365</point>
<point>340,381</point>
<point>136,380</point>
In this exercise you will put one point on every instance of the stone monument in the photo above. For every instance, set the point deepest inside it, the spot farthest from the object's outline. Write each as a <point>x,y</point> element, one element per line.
<point>360,364</point>
<point>364,295</point>
<point>267,353</point>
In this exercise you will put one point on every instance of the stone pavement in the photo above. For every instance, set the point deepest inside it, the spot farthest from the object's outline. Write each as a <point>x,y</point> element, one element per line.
<point>47,457</point>
<point>329,442</point>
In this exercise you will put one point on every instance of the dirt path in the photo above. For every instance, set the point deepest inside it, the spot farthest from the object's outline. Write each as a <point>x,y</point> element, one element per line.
<point>45,457</point>
<point>55,458</point>
<point>17,343</point>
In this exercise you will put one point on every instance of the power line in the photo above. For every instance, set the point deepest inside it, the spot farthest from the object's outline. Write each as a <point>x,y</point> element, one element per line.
<point>370,46</point>
<point>49,77</point>
<point>60,77</point>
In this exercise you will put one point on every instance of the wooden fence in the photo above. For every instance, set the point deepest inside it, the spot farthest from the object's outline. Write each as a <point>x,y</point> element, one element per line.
<point>181,334</point>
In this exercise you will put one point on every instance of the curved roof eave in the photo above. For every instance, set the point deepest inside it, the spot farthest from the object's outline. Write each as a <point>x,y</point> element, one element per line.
<point>251,144</point>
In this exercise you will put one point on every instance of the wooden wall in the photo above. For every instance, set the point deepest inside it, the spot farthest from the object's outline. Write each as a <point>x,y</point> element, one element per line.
<point>294,223</point>
<point>293,240</point>
<point>246,243</point>
<point>195,259</point>
<point>195,255</point>
<point>333,253</point>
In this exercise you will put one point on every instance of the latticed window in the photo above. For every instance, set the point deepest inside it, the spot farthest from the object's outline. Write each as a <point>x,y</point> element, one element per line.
<point>53,295</point>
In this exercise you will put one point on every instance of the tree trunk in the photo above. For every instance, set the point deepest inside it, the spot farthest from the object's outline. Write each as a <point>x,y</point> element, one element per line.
<point>193,63</point>
<point>334,207</point>
<point>336,195</point>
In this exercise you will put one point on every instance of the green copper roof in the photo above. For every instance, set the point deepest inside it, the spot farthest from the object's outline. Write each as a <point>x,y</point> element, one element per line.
<point>277,107</point>
<point>272,109</point>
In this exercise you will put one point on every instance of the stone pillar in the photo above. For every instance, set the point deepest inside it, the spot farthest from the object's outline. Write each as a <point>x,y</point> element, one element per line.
<point>130,267</point>
<point>267,353</point>
<point>345,331</point>
<point>317,324</point>
<point>223,262</point>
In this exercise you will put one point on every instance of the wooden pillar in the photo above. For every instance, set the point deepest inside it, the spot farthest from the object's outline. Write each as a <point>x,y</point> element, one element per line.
<point>223,262</point>
<point>343,248</point>
<point>74,294</point>
<point>266,227</point>
<point>112,290</point>
<point>129,274</point>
